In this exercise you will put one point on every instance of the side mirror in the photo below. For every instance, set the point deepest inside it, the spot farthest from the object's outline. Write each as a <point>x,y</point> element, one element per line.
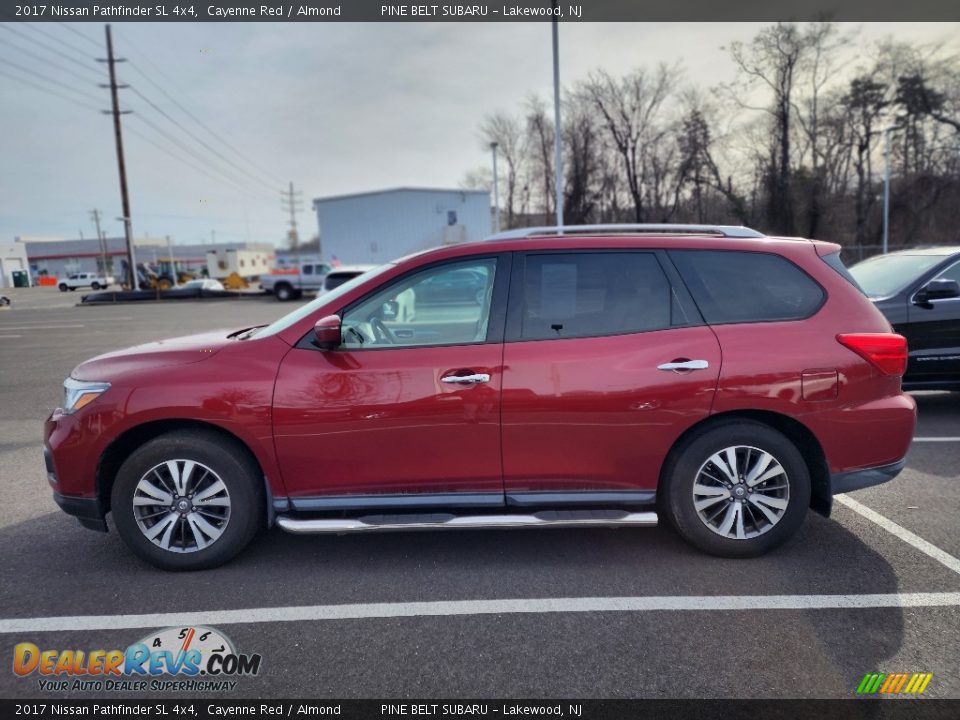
<point>326,332</point>
<point>939,289</point>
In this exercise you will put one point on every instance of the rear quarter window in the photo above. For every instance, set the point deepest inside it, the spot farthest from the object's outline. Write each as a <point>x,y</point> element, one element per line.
<point>743,287</point>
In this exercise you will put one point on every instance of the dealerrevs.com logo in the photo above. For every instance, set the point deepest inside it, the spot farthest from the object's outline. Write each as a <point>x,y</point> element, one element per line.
<point>183,659</point>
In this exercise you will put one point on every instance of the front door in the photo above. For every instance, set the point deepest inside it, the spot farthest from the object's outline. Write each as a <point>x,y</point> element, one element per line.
<point>933,336</point>
<point>407,410</point>
<point>601,367</point>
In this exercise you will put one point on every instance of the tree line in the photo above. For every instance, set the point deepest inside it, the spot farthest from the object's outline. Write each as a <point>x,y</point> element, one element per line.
<point>794,144</point>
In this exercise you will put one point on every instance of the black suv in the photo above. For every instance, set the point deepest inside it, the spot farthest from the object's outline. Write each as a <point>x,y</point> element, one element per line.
<point>919,292</point>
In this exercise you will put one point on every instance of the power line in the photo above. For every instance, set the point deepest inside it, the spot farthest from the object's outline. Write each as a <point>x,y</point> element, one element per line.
<point>53,63</point>
<point>47,47</point>
<point>47,90</point>
<point>213,150</point>
<point>34,73</point>
<point>239,182</point>
<point>266,173</point>
<point>79,34</point>
<point>188,163</point>
<point>83,53</point>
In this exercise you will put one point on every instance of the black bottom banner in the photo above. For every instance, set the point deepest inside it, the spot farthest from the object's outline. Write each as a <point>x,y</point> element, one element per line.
<point>892,709</point>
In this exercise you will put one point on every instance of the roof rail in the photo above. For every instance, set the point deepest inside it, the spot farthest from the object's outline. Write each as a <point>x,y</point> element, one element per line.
<point>732,231</point>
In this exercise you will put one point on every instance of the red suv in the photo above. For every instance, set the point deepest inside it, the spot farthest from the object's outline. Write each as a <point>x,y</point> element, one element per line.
<point>601,376</point>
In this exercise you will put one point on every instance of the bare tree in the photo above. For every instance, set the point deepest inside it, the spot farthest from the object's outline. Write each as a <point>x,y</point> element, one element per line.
<point>771,60</point>
<point>631,110</point>
<point>508,133</point>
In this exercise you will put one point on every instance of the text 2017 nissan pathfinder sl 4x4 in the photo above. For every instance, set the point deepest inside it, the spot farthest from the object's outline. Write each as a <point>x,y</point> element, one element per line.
<point>597,377</point>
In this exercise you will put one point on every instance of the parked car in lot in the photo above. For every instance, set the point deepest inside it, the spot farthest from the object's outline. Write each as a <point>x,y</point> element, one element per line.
<point>342,274</point>
<point>290,285</point>
<point>202,284</point>
<point>724,380</point>
<point>95,281</point>
<point>919,293</point>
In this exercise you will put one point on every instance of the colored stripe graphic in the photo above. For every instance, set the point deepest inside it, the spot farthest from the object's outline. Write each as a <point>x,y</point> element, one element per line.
<point>894,683</point>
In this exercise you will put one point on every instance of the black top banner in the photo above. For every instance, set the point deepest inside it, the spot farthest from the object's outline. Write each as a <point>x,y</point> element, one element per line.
<point>511,11</point>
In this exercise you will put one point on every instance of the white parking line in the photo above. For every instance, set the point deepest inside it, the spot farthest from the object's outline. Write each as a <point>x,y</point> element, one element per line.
<point>40,327</point>
<point>941,556</point>
<point>7,337</point>
<point>701,603</point>
<point>936,439</point>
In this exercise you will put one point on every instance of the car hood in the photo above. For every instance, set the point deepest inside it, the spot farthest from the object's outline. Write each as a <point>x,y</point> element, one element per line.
<point>162,353</point>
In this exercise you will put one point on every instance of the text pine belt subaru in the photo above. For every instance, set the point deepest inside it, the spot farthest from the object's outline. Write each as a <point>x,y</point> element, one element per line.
<point>599,376</point>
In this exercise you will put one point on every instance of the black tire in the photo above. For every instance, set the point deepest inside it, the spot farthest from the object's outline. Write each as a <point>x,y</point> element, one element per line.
<point>683,469</point>
<point>283,291</point>
<point>229,460</point>
<point>63,287</point>
<point>95,286</point>
<point>72,289</point>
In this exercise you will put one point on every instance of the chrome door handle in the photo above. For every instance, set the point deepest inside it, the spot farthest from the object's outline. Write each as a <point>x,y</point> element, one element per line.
<point>685,365</point>
<point>474,379</point>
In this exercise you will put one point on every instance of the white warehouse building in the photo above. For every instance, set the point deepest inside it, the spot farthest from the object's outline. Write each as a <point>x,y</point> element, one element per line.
<point>375,227</point>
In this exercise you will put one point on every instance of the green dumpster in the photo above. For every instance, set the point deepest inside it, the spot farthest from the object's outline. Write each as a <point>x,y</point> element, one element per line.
<point>20,278</point>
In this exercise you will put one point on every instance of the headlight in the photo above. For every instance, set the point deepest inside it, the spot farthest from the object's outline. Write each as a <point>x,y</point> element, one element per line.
<point>78,394</point>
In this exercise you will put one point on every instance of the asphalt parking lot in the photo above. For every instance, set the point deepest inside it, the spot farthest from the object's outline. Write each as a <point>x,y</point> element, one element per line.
<point>598,613</point>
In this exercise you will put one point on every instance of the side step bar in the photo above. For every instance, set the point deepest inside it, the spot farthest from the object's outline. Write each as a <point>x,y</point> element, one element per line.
<point>443,521</point>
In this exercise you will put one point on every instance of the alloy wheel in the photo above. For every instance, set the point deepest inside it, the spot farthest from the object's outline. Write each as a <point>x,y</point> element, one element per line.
<point>181,506</point>
<point>741,492</point>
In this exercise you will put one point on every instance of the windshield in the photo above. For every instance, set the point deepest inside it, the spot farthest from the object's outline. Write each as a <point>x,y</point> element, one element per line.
<point>305,310</point>
<point>884,275</point>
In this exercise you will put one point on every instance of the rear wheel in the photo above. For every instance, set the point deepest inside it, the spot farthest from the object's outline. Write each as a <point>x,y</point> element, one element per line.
<point>95,286</point>
<point>283,291</point>
<point>188,500</point>
<point>737,490</point>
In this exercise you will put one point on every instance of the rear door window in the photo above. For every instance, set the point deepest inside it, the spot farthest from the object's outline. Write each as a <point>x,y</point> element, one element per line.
<point>741,287</point>
<point>585,294</point>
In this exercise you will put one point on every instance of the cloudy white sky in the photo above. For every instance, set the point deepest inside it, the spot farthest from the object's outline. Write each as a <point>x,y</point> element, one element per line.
<point>335,108</point>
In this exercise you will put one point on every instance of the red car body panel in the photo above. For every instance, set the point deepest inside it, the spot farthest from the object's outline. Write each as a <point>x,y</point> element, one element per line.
<point>584,414</point>
<point>591,414</point>
<point>381,421</point>
<point>164,384</point>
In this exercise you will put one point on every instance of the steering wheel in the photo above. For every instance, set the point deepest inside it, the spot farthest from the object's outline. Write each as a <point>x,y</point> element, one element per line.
<point>381,332</point>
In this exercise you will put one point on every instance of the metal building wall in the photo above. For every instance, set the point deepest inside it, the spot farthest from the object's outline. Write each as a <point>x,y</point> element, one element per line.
<point>381,226</point>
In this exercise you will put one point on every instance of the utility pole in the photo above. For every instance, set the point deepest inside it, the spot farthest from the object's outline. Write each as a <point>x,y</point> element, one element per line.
<point>293,203</point>
<point>558,155</point>
<point>95,216</point>
<point>886,189</point>
<point>496,191</point>
<point>118,135</point>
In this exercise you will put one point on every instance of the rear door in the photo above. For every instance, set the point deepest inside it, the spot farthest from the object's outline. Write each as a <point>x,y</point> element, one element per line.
<point>605,362</point>
<point>933,335</point>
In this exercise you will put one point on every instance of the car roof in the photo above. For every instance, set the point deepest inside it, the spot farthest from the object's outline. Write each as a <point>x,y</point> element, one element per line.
<point>351,269</point>
<point>943,250</point>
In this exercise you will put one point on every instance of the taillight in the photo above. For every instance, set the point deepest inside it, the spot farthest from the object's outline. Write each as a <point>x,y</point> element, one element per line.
<point>885,351</point>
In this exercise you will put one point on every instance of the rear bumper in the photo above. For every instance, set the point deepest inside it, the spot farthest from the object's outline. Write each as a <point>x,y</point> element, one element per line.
<point>858,479</point>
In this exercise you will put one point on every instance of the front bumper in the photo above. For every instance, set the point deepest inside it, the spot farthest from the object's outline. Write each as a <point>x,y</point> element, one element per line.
<point>88,510</point>
<point>868,477</point>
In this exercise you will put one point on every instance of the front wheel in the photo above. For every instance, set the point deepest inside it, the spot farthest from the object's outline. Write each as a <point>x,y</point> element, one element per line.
<point>95,286</point>
<point>737,490</point>
<point>188,500</point>
<point>63,287</point>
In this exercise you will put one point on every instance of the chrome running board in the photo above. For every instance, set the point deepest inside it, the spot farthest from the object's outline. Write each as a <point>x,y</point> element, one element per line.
<point>444,521</point>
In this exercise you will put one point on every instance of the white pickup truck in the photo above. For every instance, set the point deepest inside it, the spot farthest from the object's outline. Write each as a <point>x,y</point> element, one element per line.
<point>290,285</point>
<point>96,281</point>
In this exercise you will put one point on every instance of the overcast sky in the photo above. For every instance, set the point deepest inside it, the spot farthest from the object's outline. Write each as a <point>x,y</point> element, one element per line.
<point>336,108</point>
